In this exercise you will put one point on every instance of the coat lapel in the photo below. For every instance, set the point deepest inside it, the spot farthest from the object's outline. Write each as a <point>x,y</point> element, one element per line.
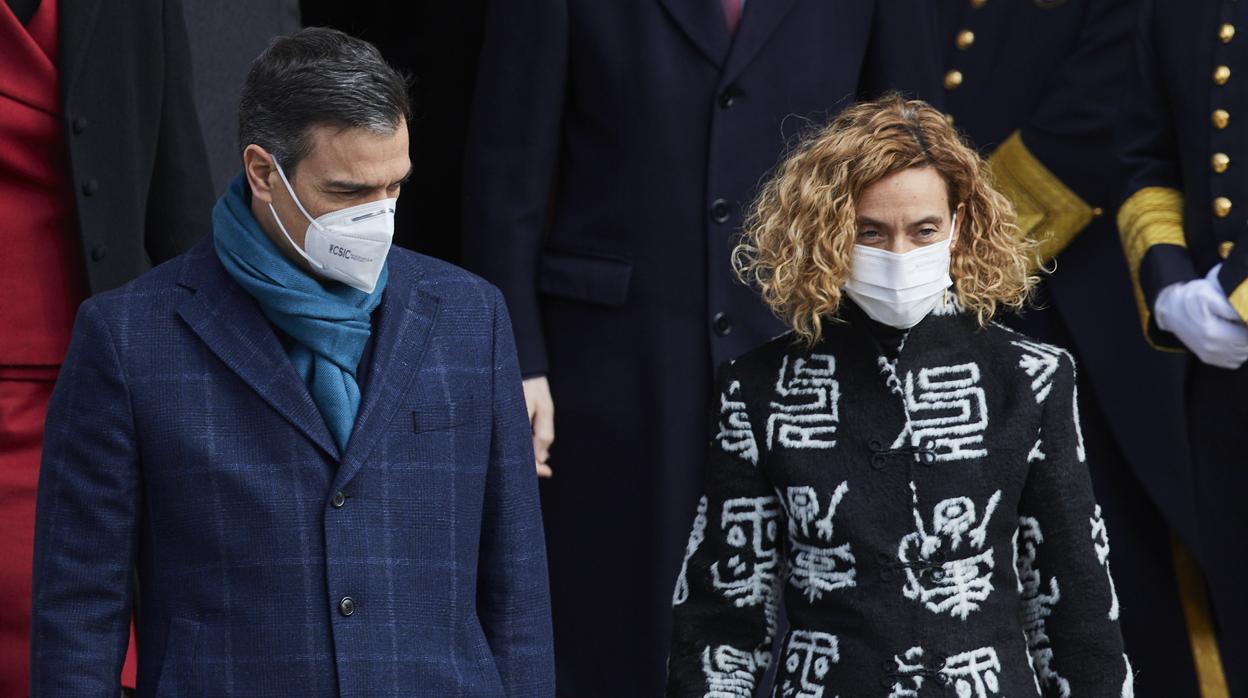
<point>758,23</point>
<point>406,317</point>
<point>76,20</point>
<point>230,322</point>
<point>704,23</point>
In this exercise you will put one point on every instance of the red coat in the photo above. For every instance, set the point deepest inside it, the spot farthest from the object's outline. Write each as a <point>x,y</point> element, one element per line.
<point>43,280</point>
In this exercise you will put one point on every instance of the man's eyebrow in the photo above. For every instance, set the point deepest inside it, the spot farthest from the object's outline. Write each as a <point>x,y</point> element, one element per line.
<point>864,221</point>
<point>346,185</point>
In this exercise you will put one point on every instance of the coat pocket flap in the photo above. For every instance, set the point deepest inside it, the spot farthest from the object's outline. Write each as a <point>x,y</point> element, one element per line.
<point>589,278</point>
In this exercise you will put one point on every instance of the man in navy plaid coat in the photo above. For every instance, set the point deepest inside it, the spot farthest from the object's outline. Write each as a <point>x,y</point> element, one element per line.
<point>301,457</point>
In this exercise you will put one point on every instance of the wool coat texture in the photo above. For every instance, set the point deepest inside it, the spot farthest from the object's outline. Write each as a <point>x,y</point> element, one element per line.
<point>926,515</point>
<point>188,474</point>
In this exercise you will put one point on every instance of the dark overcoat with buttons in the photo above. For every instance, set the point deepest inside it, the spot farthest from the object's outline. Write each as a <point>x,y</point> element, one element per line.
<point>188,474</point>
<point>612,152</point>
<point>927,517</point>
<point>1186,160</point>
<point>137,161</point>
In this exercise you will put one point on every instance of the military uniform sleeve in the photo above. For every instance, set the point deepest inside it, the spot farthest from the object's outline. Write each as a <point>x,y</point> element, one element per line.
<point>726,596</point>
<point>513,144</point>
<point>1059,169</point>
<point>1070,608</point>
<point>1150,220</point>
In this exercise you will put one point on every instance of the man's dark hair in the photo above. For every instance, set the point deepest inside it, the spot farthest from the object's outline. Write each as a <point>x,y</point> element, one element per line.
<point>317,77</point>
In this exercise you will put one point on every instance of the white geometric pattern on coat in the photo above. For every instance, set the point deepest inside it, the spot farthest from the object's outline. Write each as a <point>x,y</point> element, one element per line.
<point>945,583</point>
<point>817,566</point>
<point>696,536</point>
<point>973,674</point>
<point>1100,541</point>
<point>750,527</point>
<point>735,435</point>
<point>1037,605</point>
<point>1128,684</point>
<point>808,658</point>
<point>946,405</point>
<point>730,672</point>
<point>1040,362</point>
<point>805,409</point>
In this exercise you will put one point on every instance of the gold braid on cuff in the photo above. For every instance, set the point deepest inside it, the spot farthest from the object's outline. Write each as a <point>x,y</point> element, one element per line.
<point>1152,216</point>
<point>1048,211</point>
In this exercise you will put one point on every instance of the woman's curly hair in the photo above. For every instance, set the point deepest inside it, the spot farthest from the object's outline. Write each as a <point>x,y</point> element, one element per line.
<point>800,232</point>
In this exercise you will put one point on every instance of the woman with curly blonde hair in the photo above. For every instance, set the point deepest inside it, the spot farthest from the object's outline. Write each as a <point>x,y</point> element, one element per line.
<point>908,474</point>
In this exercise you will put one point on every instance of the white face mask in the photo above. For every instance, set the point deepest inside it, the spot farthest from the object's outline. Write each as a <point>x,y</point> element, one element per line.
<point>900,289</point>
<point>349,245</point>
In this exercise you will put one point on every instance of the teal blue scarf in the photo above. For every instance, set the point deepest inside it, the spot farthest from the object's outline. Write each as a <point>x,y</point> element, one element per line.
<point>328,321</point>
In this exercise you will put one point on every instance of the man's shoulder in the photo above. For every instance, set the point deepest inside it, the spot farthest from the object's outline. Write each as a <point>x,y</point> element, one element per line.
<point>443,279</point>
<point>153,291</point>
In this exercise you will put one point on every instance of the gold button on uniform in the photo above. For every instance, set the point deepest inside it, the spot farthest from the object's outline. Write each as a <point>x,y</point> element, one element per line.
<point>1221,207</point>
<point>1224,250</point>
<point>953,78</point>
<point>1220,118</point>
<point>1226,32</point>
<point>1221,74</point>
<point>1220,161</point>
<point>966,37</point>
<point>978,3</point>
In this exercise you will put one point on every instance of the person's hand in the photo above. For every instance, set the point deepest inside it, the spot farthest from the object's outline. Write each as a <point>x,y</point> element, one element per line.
<point>1199,314</point>
<point>542,419</point>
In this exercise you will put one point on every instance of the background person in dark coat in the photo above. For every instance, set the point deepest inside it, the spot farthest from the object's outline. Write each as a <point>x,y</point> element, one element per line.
<point>101,176</point>
<point>227,35</point>
<point>1038,86</point>
<point>1184,226</point>
<point>612,148</point>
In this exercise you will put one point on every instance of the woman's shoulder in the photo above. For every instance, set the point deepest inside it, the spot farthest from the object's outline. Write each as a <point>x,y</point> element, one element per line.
<point>1012,350</point>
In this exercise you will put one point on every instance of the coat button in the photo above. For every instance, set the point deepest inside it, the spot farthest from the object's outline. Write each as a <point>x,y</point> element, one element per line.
<point>720,211</point>
<point>1220,118</point>
<point>978,3</point>
<point>79,124</point>
<point>98,252</point>
<point>953,79</point>
<point>90,187</point>
<point>1221,207</point>
<point>722,324</point>
<point>1219,162</point>
<point>1226,32</point>
<point>1221,75</point>
<point>339,500</point>
<point>965,39</point>
<point>729,96</point>
<point>347,606</point>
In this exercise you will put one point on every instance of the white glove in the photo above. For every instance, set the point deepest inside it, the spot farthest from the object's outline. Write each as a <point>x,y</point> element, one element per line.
<point>1199,314</point>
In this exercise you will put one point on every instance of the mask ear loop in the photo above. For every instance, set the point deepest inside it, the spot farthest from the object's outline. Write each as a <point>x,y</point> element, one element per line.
<point>311,221</point>
<point>953,230</point>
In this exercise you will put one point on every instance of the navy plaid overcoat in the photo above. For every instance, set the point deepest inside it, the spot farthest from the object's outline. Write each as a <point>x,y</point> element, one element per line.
<point>188,475</point>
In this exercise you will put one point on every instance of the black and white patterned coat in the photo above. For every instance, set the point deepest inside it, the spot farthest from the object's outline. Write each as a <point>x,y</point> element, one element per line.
<point>928,518</point>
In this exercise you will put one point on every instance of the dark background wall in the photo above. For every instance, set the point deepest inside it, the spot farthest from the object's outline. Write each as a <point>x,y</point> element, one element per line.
<point>437,43</point>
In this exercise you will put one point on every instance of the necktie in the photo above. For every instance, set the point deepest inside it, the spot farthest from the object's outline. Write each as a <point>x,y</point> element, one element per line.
<point>732,13</point>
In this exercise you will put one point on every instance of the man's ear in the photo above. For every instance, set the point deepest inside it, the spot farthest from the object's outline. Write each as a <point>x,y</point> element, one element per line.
<point>258,166</point>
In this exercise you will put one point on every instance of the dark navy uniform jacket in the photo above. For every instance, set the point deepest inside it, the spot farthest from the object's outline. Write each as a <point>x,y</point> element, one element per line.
<point>1182,143</point>
<point>1038,85</point>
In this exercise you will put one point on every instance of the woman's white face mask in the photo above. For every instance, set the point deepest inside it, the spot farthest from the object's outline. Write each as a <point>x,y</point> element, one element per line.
<point>900,289</point>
